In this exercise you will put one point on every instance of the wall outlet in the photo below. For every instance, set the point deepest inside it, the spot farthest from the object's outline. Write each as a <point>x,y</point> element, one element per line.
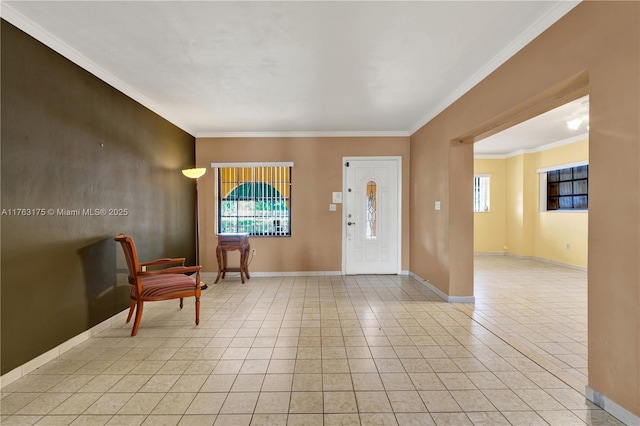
<point>253,252</point>
<point>143,268</point>
<point>568,246</point>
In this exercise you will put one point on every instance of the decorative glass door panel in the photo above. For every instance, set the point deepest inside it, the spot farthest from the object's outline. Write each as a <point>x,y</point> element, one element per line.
<point>371,208</point>
<point>371,224</point>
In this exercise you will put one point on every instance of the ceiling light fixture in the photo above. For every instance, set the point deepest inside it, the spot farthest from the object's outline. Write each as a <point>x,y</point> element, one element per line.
<point>574,124</point>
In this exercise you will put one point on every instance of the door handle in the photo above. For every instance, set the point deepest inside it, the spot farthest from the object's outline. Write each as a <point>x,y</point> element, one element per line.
<point>351,223</point>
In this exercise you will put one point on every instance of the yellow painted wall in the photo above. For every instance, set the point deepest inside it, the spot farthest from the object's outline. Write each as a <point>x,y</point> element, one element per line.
<point>553,230</point>
<point>515,216</point>
<point>489,227</point>
<point>515,220</point>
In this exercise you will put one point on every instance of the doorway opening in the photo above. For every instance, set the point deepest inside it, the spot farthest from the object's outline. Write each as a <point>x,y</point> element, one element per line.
<point>531,237</point>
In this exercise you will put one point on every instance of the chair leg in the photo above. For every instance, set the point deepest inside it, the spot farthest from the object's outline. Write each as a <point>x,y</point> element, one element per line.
<point>136,322</point>
<point>133,305</point>
<point>181,303</point>
<point>197,310</point>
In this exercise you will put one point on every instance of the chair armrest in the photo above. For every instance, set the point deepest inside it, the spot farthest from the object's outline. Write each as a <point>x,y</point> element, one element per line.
<point>163,261</point>
<point>172,270</point>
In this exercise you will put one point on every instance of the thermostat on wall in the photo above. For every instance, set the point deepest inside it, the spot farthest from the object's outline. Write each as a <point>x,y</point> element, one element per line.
<point>336,197</point>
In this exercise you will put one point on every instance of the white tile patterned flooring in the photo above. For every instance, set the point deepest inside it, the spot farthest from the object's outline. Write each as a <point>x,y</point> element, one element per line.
<point>541,309</point>
<point>369,350</point>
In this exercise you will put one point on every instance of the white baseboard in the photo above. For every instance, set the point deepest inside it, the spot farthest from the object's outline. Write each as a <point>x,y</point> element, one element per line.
<point>296,274</point>
<point>566,265</point>
<point>489,253</point>
<point>440,293</point>
<point>617,411</point>
<point>213,275</point>
<point>208,275</point>
<point>52,354</point>
<point>539,259</point>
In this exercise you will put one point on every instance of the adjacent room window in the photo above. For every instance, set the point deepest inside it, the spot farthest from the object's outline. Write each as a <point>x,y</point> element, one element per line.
<point>564,187</point>
<point>567,189</point>
<point>254,198</point>
<point>481,196</point>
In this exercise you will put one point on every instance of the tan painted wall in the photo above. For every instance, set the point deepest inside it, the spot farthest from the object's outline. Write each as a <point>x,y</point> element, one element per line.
<point>596,45</point>
<point>316,240</point>
<point>489,228</point>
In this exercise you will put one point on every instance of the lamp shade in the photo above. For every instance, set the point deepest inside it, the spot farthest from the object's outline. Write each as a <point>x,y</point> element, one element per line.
<point>194,173</point>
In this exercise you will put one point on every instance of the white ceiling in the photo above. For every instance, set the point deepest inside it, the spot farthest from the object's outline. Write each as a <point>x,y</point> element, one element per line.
<point>265,68</point>
<point>538,132</point>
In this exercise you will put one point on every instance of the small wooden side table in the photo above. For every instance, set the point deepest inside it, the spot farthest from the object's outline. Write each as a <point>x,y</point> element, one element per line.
<point>231,242</point>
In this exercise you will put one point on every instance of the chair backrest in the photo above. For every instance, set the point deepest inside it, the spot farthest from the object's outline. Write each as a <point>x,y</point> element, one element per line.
<point>130,255</point>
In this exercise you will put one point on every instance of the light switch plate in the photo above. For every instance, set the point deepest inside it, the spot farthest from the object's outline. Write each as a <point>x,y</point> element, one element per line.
<point>332,207</point>
<point>336,197</point>
<point>437,205</point>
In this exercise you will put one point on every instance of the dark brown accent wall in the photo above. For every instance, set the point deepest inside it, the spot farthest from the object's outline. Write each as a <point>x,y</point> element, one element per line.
<point>71,142</point>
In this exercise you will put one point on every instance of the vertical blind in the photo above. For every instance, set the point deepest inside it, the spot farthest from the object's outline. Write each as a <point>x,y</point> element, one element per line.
<point>254,198</point>
<point>480,193</point>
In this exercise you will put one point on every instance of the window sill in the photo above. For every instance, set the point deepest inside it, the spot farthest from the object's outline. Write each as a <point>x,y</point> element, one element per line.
<point>565,211</point>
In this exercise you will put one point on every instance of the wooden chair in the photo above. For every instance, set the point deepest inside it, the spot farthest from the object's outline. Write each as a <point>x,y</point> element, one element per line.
<point>158,284</point>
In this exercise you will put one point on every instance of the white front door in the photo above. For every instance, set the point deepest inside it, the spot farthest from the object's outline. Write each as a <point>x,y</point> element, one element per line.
<point>371,215</point>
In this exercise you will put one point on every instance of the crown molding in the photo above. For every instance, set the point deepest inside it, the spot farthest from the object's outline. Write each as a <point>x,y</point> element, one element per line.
<point>323,134</point>
<point>9,14</point>
<point>562,142</point>
<point>489,156</point>
<point>14,17</point>
<point>567,141</point>
<point>560,9</point>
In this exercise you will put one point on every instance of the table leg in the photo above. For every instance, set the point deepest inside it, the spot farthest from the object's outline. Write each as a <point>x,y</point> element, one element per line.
<point>220,267</point>
<point>243,255</point>
<point>224,263</point>
<point>245,265</point>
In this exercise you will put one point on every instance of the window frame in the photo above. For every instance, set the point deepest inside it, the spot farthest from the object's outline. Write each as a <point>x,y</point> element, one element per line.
<point>481,176</point>
<point>543,173</point>
<point>218,196</point>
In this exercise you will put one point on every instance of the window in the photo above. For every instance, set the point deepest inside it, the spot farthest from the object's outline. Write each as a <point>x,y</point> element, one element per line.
<point>254,198</point>
<point>481,193</point>
<point>567,189</point>
<point>564,187</point>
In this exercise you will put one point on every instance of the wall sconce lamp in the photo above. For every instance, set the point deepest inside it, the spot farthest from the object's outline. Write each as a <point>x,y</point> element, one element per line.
<point>196,174</point>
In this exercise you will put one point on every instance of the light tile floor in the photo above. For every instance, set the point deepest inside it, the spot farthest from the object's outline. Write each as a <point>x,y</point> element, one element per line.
<point>539,308</point>
<point>370,350</point>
